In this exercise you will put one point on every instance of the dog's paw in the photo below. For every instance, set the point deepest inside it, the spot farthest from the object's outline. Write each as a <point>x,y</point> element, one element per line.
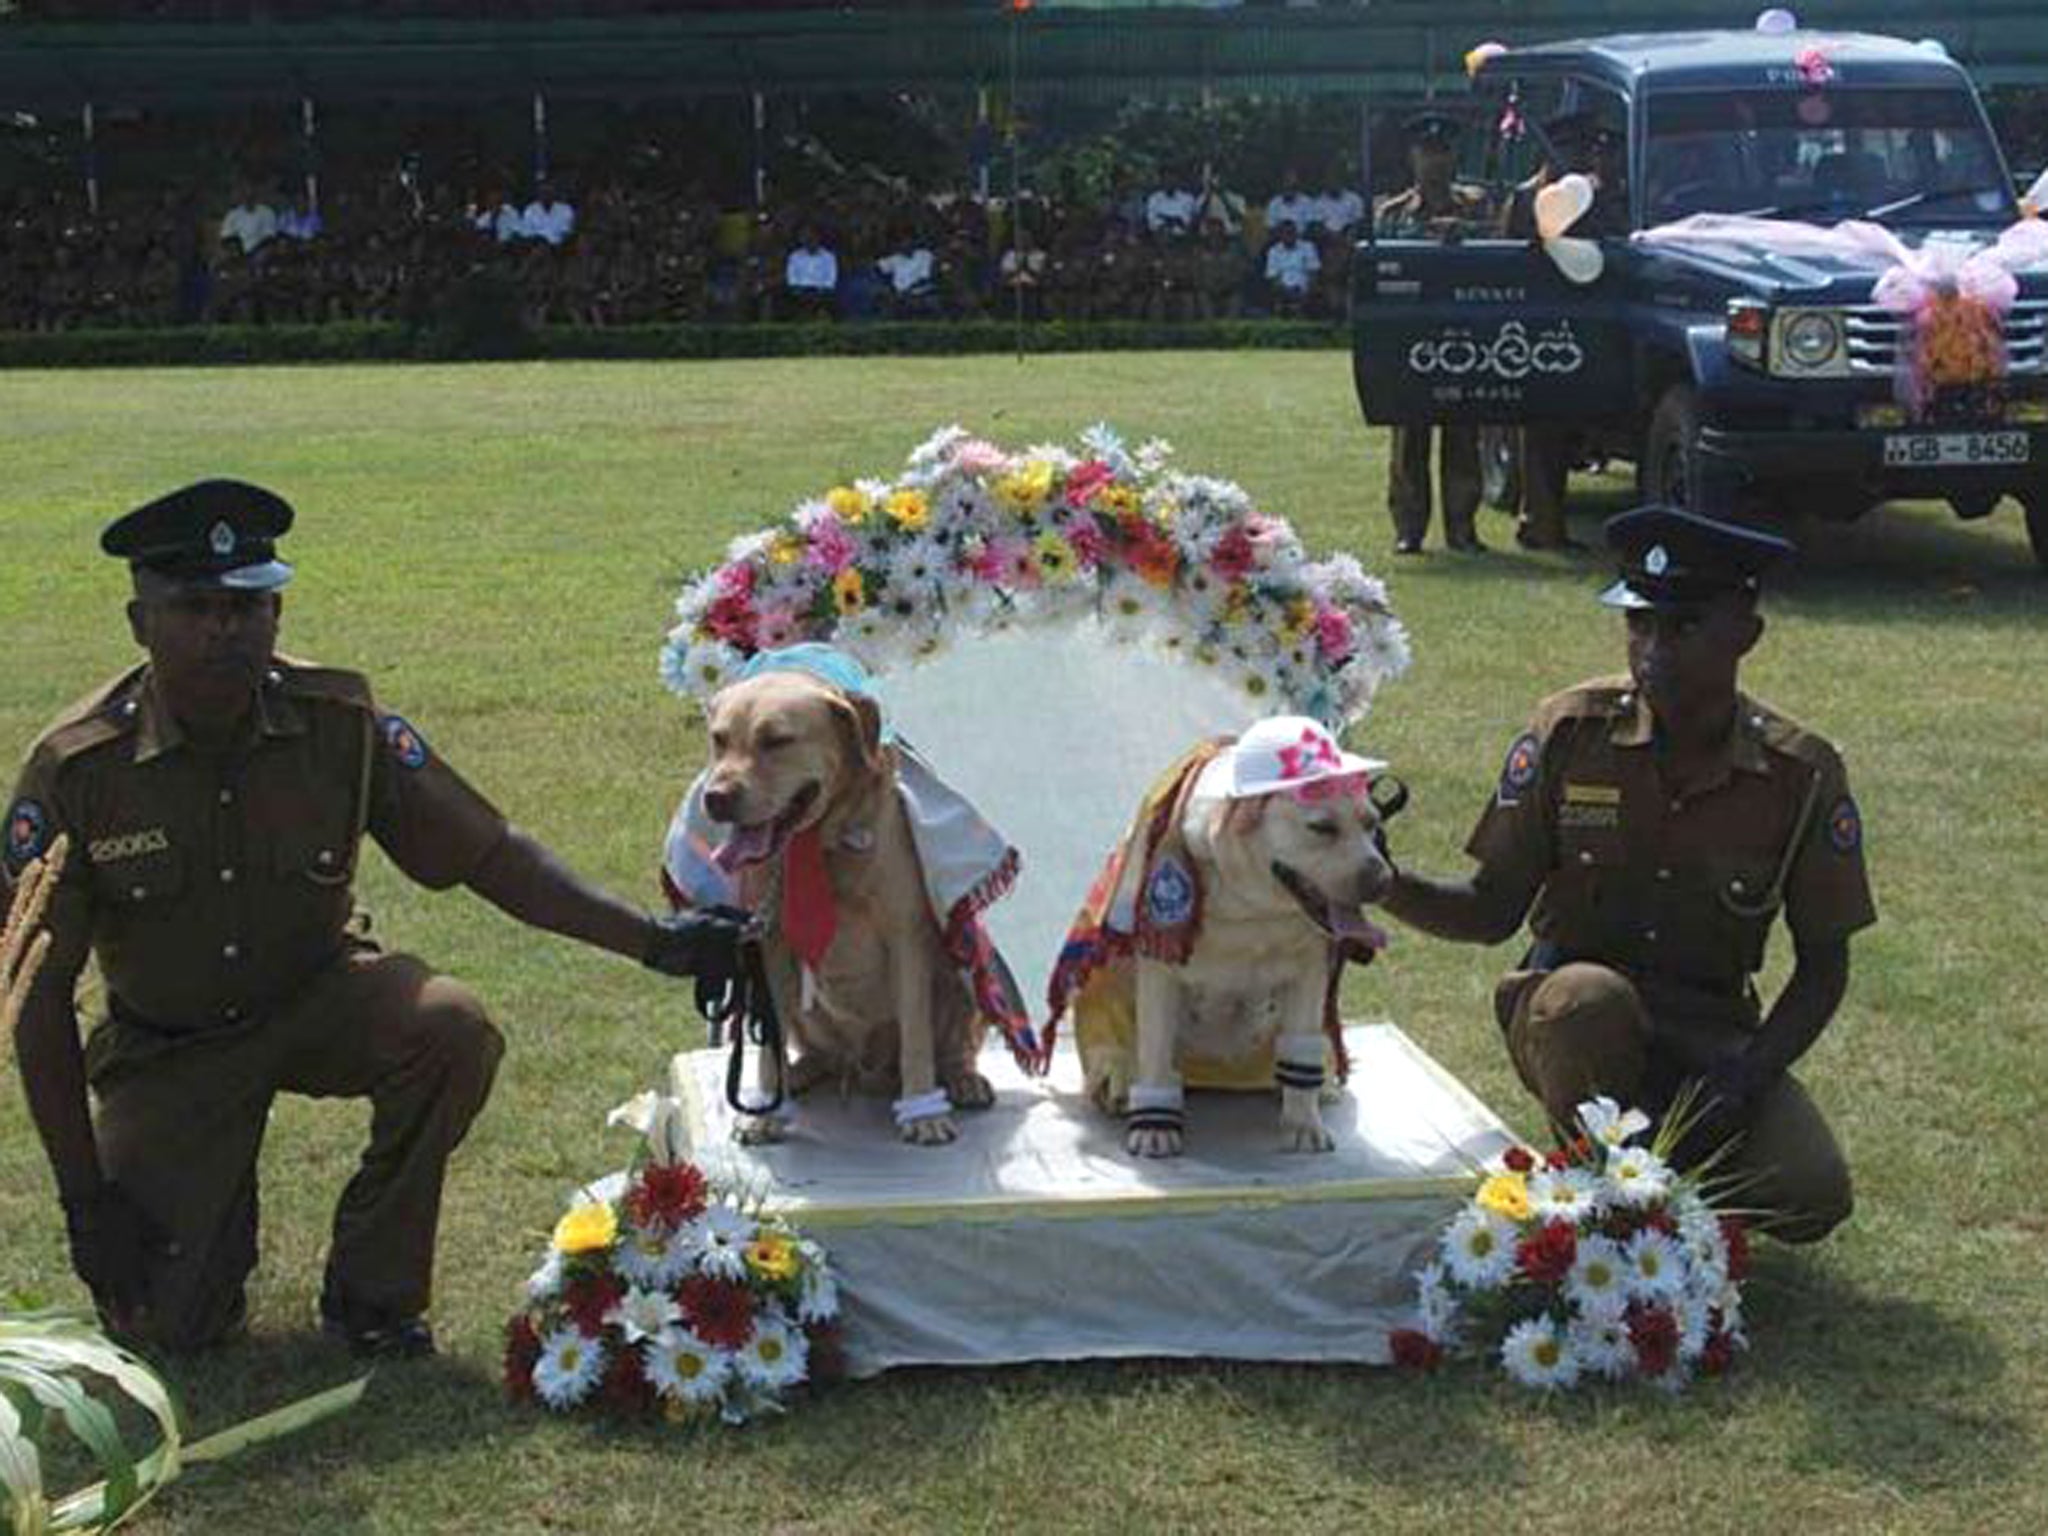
<point>970,1090</point>
<point>1331,1092</point>
<point>1154,1141</point>
<point>930,1130</point>
<point>758,1130</point>
<point>1306,1136</point>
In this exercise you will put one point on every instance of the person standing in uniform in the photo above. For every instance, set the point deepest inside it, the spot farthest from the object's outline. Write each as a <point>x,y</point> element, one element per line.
<point>1658,824</point>
<point>216,798</point>
<point>1579,143</point>
<point>1436,207</point>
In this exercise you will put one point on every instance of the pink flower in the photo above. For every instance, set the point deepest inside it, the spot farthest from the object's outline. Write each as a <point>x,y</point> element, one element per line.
<point>978,457</point>
<point>1086,480</point>
<point>1813,66</point>
<point>1089,544</point>
<point>775,628</point>
<point>1234,556</point>
<point>737,579</point>
<point>1333,633</point>
<point>982,559</point>
<point>832,548</point>
<point>731,619</point>
<point>1016,564</point>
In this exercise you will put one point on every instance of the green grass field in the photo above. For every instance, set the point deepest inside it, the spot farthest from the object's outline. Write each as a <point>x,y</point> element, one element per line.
<point>498,547</point>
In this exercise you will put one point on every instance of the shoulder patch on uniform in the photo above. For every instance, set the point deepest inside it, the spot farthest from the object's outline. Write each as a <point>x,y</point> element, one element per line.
<point>1519,771</point>
<point>1845,826</point>
<point>28,833</point>
<point>407,744</point>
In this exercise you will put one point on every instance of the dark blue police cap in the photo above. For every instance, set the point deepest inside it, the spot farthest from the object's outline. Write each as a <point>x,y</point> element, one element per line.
<point>216,533</point>
<point>1671,558</point>
<point>1432,127</point>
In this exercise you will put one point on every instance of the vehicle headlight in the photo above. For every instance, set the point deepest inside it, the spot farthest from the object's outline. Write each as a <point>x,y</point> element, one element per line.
<point>1810,340</point>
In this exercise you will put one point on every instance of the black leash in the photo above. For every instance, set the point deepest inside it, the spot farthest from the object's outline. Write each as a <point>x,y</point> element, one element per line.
<point>741,1008</point>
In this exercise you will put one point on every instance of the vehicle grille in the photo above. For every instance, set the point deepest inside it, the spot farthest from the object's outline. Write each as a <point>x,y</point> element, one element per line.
<point>1873,336</point>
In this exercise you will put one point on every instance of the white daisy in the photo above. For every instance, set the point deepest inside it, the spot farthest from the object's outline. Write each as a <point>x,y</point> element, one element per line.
<point>652,1258</point>
<point>1656,1265</point>
<point>1479,1248</point>
<point>684,1368</point>
<point>749,546</point>
<point>701,669</point>
<point>1569,1194</point>
<point>641,1314</point>
<point>570,1364</point>
<point>817,1295</point>
<point>1694,1324</point>
<point>1538,1353</point>
<point>863,634</point>
<point>1152,455</point>
<point>545,1283</point>
<point>1436,1308</point>
<point>777,1355</point>
<point>720,1237</point>
<point>1103,442</point>
<point>1636,1176</point>
<point>1608,1123</point>
<point>1602,1346</point>
<point>917,569</point>
<point>1598,1282</point>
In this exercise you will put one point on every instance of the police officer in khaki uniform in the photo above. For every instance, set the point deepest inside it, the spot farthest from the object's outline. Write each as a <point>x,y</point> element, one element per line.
<point>216,799</point>
<point>1436,207</point>
<point>1658,824</point>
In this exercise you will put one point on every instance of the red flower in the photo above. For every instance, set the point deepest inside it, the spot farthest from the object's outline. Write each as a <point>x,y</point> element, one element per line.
<point>1519,1158</point>
<point>731,619</point>
<point>1735,1232</point>
<point>1415,1351</point>
<point>1089,543</point>
<point>588,1297</point>
<point>1557,1159</point>
<point>522,1353</point>
<point>1661,1220</point>
<point>665,1196</point>
<point>1234,555</point>
<point>1719,1353</point>
<point>625,1388</point>
<point>1653,1331</point>
<point>721,1311</point>
<point>1547,1257</point>
<point>737,580</point>
<point>1085,481</point>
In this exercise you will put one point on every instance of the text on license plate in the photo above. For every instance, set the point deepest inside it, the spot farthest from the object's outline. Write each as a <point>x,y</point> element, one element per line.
<point>1926,450</point>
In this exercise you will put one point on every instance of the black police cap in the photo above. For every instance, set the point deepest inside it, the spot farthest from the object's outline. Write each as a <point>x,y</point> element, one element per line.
<point>215,533</point>
<point>1581,127</point>
<point>1432,128</point>
<point>1671,558</point>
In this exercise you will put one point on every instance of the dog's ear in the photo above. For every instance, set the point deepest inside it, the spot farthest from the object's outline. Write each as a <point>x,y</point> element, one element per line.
<point>859,719</point>
<point>1243,816</point>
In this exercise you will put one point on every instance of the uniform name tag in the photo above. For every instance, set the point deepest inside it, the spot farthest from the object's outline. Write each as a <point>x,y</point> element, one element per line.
<point>129,845</point>
<point>1592,794</point>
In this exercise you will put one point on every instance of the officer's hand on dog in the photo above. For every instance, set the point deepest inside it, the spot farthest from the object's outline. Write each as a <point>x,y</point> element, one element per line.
<point>113,1240</point>
<point>703,942</point>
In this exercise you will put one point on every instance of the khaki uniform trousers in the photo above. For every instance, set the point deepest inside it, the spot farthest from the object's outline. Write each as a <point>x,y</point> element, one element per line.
<point>181,1121</point>
<point>1408,481</point>
<point>1582,1030</point>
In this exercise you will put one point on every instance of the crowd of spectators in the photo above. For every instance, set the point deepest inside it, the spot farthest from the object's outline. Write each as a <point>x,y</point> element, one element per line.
<point>620,251</point>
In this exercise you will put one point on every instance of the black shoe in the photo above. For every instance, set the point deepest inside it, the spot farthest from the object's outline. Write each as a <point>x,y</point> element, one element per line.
<point>1470,546</point>
<point>1407,546</point>
<point>373,1333</point>
<point>1563,542</point>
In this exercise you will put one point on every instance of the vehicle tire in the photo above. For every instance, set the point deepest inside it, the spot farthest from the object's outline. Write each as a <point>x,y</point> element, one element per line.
<point>2037,528</point>
<point>1500,468</point>
<point>1664,468</point>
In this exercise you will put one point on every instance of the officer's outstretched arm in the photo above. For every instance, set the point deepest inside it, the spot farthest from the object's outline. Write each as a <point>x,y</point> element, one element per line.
<point>523,878</point>
<point>1820,977</point>
<point>1484,908</point>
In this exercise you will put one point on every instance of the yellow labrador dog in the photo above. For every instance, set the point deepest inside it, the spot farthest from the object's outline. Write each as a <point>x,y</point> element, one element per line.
<point>798,764</point>
<point>1258,882</point>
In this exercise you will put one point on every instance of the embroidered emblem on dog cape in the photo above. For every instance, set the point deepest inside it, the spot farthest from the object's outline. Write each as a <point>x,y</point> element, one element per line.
<point>1170,894</point>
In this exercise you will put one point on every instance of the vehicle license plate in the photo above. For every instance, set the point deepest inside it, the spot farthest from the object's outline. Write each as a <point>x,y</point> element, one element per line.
<point>1936,450</point>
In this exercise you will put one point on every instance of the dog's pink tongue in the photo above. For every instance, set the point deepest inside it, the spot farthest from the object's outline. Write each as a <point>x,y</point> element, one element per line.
<point>1353,926</point>
<point>746,845</point>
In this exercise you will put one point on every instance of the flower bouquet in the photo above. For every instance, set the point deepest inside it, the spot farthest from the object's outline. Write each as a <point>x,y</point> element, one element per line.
<point>970,538</point>
<point>1596,1260</point>
<point>663,1293</point>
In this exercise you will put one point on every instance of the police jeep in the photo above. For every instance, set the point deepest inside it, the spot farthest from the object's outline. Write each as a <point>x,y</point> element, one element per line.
<point>1738,380</point>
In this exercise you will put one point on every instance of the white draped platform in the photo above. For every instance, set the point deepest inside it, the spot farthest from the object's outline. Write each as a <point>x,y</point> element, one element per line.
<point>1035,1237</point>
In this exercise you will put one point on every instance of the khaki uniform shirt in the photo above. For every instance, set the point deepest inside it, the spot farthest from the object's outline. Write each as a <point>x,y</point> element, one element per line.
<point>1406,216</point>
<point>210,886</point>
<point>1678,893</point>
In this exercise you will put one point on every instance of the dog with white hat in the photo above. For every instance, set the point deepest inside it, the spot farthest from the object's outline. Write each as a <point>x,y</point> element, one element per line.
<point>1208,951</point>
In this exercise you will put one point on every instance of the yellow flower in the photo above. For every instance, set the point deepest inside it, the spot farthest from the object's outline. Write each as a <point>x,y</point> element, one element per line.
<point>1055,558</point>
<point>588,1228</point>
<point>1237,600</point>
<point>849,593</point>
<point>786,549</point>
<point>1301,617</point>
<point>773,1258</point>
<point>909,510</point>
<point>1119,500</point>
<point>848,504</point>
<point>1506,1194</point>
<point>1023,491</point>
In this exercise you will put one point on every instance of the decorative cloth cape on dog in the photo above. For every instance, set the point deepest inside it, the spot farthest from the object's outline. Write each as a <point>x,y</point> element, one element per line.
<point>1148,901</point>
<point>966,863</point>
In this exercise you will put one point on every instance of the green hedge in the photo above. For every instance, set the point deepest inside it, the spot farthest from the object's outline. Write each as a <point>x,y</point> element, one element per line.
<point>367,342</point>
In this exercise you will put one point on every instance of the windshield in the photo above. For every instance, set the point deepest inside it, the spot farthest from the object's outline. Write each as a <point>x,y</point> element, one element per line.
<point>1900,155</point>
